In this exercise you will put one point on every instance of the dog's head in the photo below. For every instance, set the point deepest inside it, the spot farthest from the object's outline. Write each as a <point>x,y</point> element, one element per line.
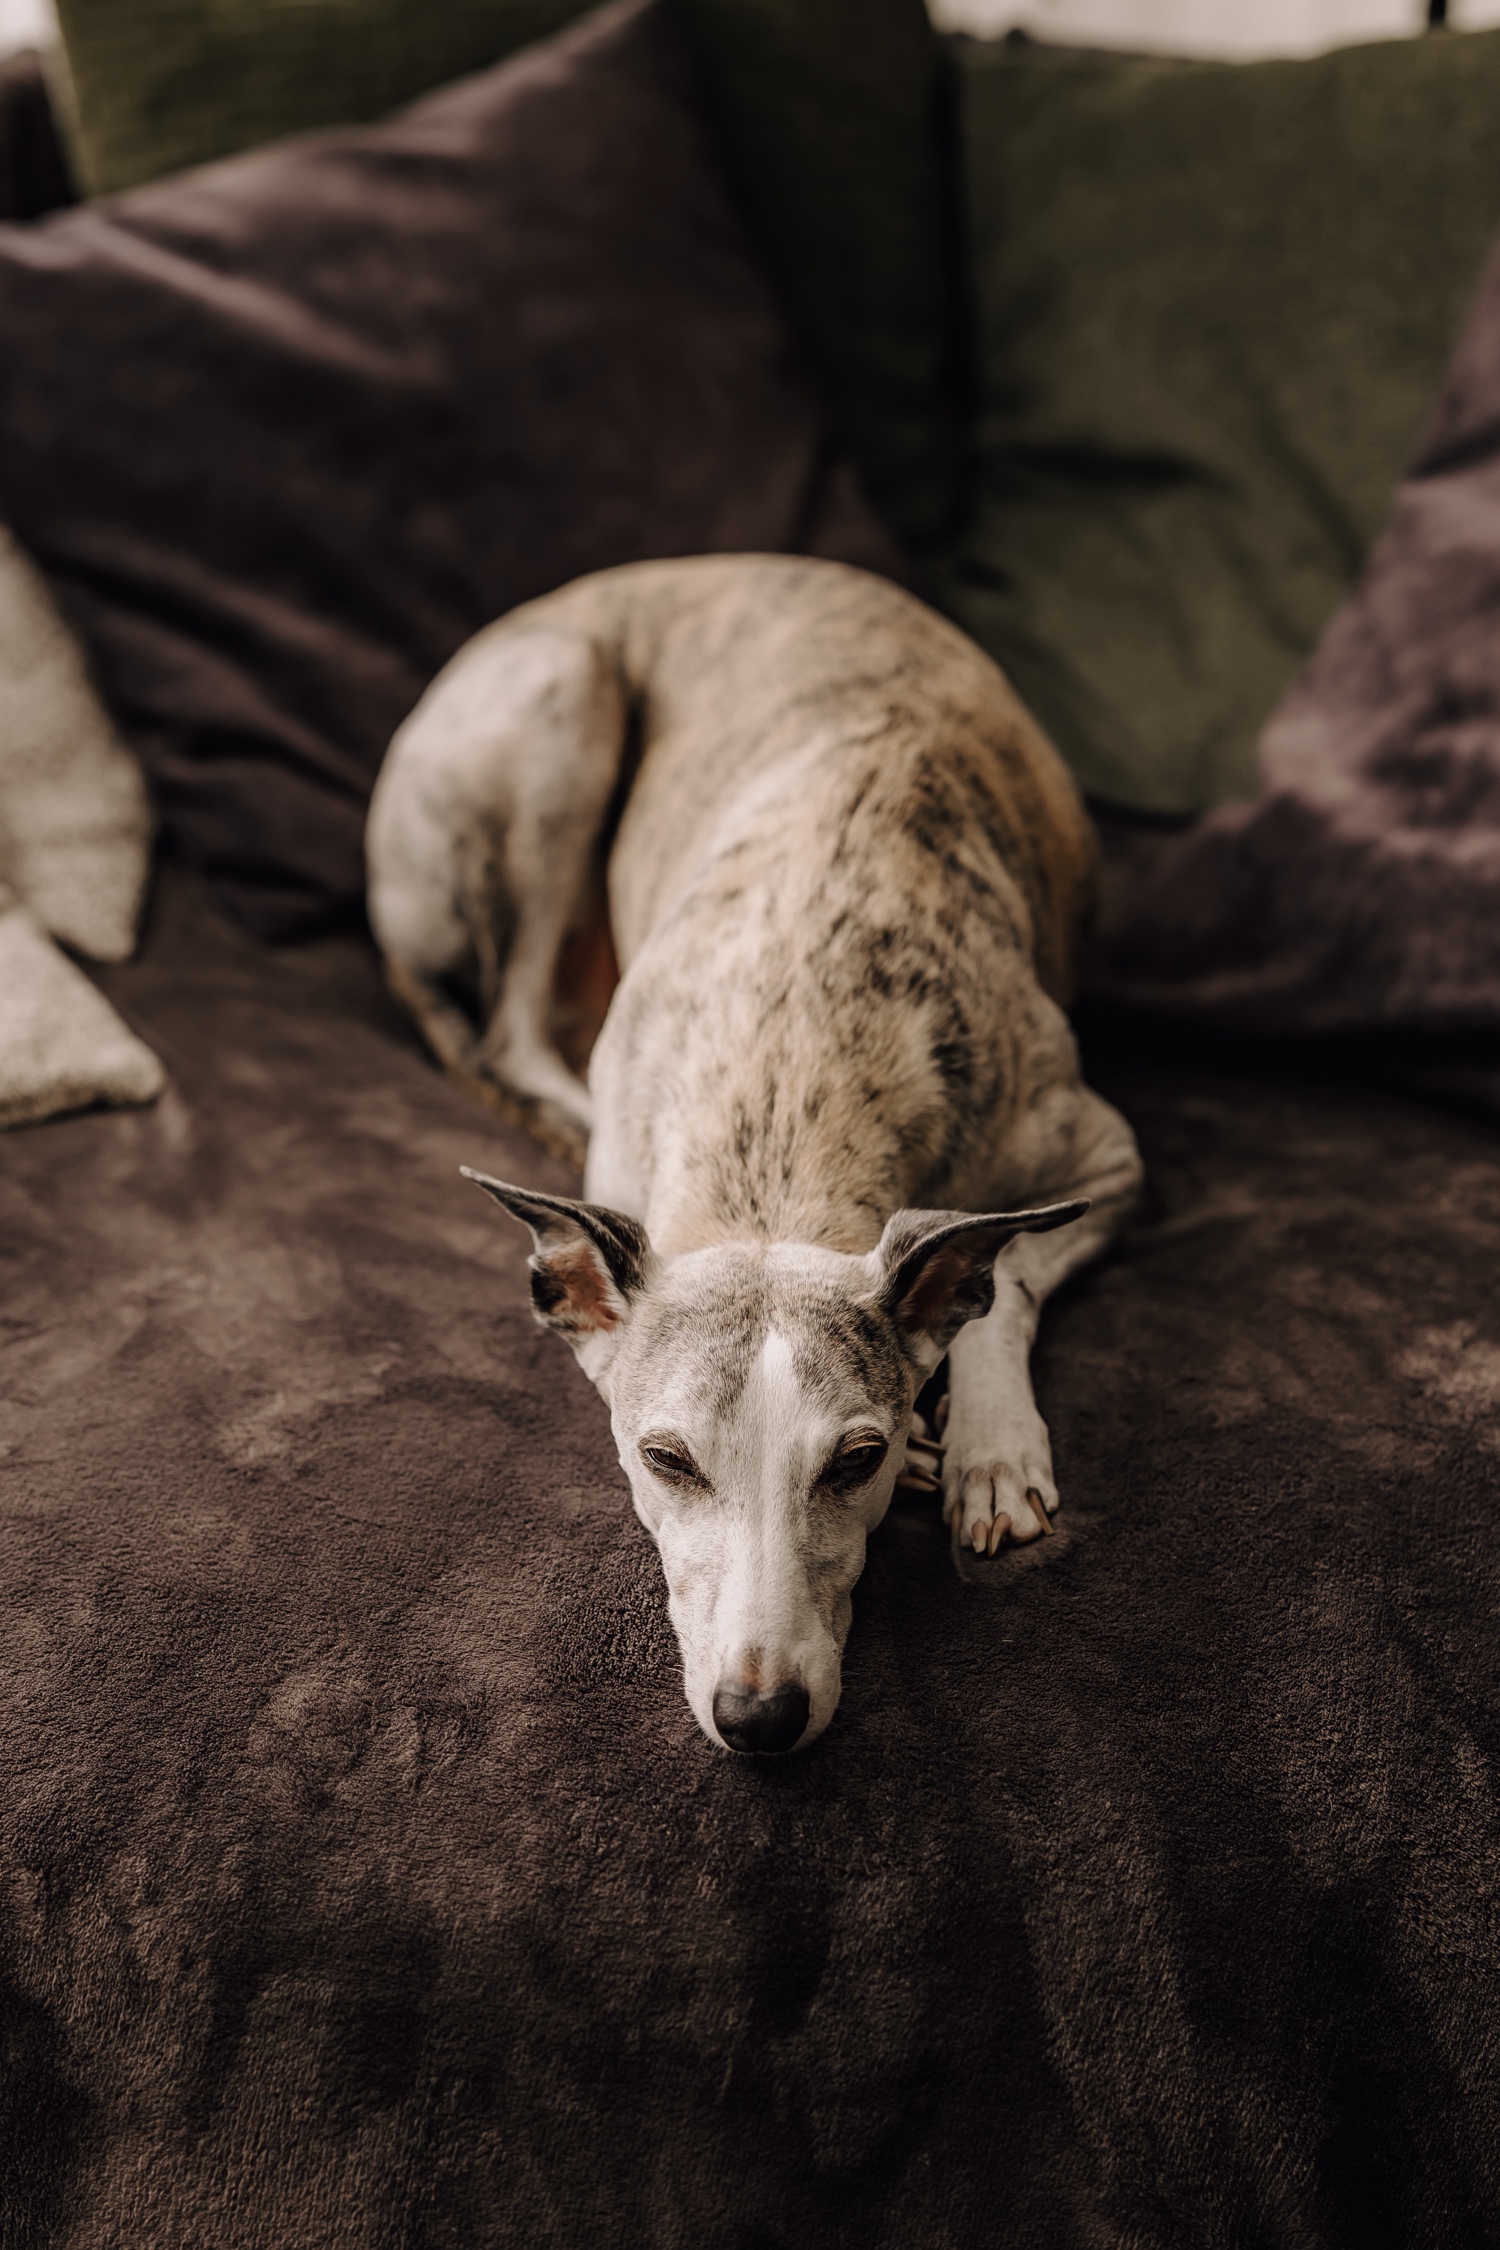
<point>761,1396</point>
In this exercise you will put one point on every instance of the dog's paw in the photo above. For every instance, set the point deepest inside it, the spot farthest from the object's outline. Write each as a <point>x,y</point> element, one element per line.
<point>998,1495</point>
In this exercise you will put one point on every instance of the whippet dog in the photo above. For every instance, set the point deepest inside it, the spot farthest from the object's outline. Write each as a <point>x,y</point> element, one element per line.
<point>834,1121</point>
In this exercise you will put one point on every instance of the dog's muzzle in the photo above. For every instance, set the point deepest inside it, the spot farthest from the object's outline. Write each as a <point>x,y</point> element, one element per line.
<point>761,1725</point>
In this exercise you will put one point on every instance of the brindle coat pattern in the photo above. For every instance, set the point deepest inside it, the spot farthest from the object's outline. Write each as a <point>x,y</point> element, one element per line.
<point>846,879</point>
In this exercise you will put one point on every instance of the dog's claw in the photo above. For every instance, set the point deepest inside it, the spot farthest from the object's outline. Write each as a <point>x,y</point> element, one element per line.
<point>984,1509</point>
<point>1003,1498</point>
<point>922,1469</point>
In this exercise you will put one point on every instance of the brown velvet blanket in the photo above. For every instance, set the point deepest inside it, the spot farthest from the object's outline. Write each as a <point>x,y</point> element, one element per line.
<point>365,1882</point>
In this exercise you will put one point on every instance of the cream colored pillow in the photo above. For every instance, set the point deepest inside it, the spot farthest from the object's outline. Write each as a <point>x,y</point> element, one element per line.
<point>62,1046</point>
<point>75,861</point>
<point>75,821</point>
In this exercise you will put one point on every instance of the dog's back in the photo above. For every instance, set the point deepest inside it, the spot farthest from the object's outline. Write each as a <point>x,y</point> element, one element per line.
<point>848,689</point>
<point>847,892</point>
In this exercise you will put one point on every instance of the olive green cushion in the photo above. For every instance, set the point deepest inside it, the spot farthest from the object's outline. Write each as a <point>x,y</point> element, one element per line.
<point>153,85</point>
<point>1214,305</point>
<point>830,114</point>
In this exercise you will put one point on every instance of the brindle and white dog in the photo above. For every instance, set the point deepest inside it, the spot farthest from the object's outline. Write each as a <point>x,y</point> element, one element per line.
<point>846,878</point>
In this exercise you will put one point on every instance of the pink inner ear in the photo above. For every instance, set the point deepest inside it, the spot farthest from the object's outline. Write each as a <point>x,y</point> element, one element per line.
<point>925,1304</point>
<point>590,1301</point>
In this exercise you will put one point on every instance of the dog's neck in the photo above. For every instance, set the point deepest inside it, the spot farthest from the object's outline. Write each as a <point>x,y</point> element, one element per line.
<point>795,1051</point>
<point>687,1216</point>
<point>791,1155</point>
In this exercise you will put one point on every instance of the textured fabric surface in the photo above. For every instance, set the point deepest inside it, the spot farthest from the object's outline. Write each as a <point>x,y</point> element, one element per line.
<point>1361,888</point>
<point>1215,305</point>
<point>160,84</point>
<point>366,1881</point>
<point>833,116</point>
<point>287,431</point>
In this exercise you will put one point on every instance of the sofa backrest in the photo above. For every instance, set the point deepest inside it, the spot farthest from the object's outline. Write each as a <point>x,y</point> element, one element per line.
<point>151,86</point>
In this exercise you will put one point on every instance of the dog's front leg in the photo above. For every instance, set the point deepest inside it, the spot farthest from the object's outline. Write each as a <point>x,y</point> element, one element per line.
<point>997,1459</point>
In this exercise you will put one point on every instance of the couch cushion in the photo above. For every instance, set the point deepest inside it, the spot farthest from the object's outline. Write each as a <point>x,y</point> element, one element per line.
<point>62,1046</point>
<point>159,84</point>
<point>75,824</point>
<point>75,862</point>
<point>1214,303</point>
<point>1360,887</point>
<point>286,431</point>
<point>366,1879</point>
<point>833,119</point>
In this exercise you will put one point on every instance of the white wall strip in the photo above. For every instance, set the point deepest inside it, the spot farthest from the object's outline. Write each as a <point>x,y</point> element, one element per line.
<point>1240,29</point>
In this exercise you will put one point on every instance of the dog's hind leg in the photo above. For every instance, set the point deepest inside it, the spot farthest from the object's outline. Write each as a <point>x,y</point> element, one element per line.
<point>997,1458</point>
<point>482,843</point>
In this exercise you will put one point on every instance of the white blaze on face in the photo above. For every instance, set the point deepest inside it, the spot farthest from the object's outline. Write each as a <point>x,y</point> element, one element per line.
<point>758,1572</point>
<point>763,1593</point>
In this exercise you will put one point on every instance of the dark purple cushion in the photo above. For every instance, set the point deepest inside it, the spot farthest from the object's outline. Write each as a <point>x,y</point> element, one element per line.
<point>285,431</point>
<point>1362,888</point>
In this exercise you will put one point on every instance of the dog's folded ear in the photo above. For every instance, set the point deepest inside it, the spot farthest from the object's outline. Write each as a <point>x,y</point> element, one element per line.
<point>586,1264</point>
<point>937,1268</point>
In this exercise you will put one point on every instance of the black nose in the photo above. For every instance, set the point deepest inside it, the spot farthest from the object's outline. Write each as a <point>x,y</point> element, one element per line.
<point>761,1724</point>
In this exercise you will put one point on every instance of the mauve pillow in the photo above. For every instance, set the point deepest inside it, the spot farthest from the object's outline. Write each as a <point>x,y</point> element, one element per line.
<point>1362,888</point>
<point>284,432</point>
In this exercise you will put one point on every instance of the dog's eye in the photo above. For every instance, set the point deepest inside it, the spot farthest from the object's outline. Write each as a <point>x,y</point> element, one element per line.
<point>855,1465</point>
<point>671,1463</point>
